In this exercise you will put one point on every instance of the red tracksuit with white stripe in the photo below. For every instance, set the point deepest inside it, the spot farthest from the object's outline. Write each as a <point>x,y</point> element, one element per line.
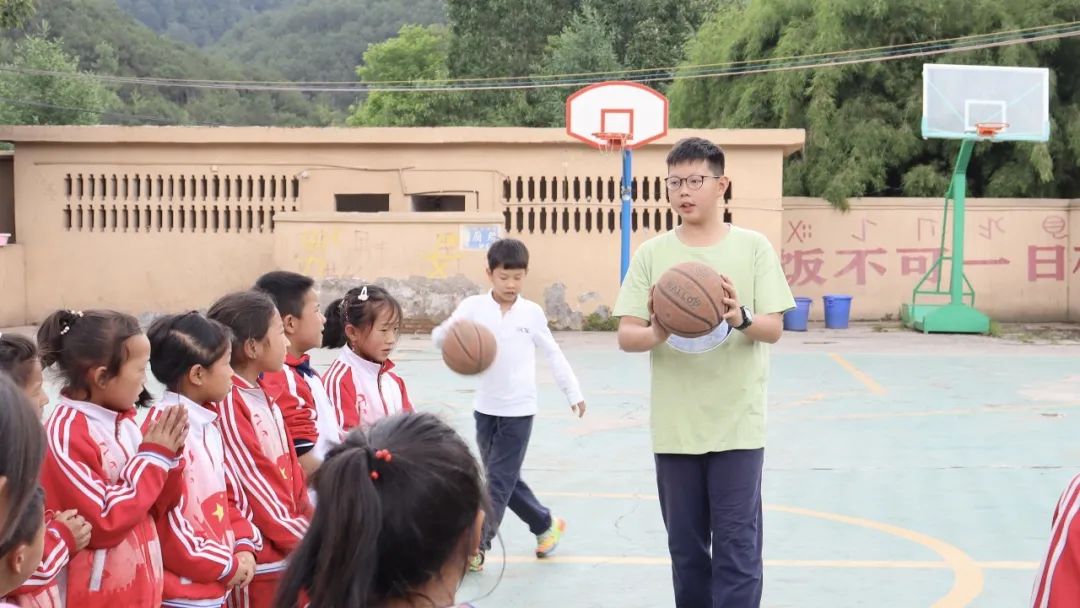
<point>305,406</point>
<point>37,591</point>
<point>363,391</point>
<point>1057,584</point>
<point>204,530</point>
<point>98,464</point>
<point>259,452</point>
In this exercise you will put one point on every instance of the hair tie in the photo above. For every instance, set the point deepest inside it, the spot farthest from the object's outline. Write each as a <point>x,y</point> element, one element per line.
<point>383,455</point>
<point>67,326</point>
<point>363,297</point>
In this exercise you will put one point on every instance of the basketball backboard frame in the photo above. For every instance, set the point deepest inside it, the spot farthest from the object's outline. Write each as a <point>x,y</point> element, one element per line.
<point>617,106</point>
<point>958,98</point>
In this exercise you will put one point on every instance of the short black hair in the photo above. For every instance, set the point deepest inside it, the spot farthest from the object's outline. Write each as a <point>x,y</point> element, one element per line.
<point>510,254</point>
<point>693,149</point>
<point>287,289</point>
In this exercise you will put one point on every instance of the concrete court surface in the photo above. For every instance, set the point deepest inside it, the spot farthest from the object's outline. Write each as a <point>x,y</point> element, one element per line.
<point>902,470</point>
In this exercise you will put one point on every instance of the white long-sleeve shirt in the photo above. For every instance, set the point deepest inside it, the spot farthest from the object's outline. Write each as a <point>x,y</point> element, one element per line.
<point>508,387</point>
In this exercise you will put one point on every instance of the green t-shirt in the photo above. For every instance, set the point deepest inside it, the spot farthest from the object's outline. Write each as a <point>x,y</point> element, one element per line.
<point>708,394</point>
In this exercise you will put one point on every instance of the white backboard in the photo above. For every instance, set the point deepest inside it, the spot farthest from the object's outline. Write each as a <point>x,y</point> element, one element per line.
<point>958,97</point>
<point>617,107</point>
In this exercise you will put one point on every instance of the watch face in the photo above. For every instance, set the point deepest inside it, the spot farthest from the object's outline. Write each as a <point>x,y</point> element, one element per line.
<point>703,344</point>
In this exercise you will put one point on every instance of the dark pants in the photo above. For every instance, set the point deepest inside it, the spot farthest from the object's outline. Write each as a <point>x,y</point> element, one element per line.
<point>712,502</point>
<point>503,442</point>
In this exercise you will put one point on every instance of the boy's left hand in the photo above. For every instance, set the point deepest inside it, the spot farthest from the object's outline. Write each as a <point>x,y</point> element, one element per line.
<point>579,409</point>
<point>734,315</point>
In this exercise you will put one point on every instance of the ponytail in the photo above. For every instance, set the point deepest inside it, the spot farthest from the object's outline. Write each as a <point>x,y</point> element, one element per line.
<point>76,342</point>
<point>334,331</point>
<point>335,564</point>
<point>397,506</point>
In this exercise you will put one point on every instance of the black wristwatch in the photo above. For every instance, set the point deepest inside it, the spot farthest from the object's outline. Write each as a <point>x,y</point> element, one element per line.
<point>748,318</point>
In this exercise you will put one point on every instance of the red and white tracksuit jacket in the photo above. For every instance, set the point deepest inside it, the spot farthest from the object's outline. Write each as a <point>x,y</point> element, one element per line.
<point>363,391</point>
<point>259,452</point>
<point>59,547</point>
<point>98,464</point>
<point>204,530</point>
<point>305,406</point>
<point>1057,584</point>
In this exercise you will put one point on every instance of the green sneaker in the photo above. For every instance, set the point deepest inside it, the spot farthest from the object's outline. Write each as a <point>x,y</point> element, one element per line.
<point>548,541</point>
<point>476,562</point>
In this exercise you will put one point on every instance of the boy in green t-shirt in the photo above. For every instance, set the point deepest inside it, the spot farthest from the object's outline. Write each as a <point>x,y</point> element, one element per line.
<point>708,393</point>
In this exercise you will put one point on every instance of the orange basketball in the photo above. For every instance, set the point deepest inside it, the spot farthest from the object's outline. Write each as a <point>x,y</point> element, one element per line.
<point>469,348</point>
<point>688,300</point>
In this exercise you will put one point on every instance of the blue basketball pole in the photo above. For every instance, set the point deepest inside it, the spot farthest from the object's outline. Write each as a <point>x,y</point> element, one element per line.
<point>626,193</point>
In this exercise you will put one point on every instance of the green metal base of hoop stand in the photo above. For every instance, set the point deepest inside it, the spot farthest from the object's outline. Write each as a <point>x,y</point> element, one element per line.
<point>945,318</point>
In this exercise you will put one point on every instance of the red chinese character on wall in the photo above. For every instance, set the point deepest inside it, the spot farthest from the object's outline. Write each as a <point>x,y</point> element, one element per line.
<point>860,259</point>
<point>918,260</point>
<point>1046,262</point>
<point>806,266</point>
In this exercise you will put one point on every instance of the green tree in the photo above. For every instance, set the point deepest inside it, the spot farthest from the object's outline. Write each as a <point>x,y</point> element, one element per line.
<point>322,39</point>
<point>651,33</point>
<point>862,120</point>
<point>418,53</point>
<point>39,99</point>
<point>14,12</point>
<point>498,38</point>
<point>585,45</point>
<point>105,40</point>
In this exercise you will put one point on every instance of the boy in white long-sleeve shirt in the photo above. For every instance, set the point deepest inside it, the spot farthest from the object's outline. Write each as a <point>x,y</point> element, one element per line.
<point>506,401</point>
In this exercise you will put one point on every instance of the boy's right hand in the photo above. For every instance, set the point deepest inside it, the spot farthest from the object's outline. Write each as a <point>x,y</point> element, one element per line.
<point>79,527</point>
<point>170,430</point>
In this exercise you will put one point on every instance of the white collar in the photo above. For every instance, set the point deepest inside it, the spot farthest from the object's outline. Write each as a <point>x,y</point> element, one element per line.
<point>96,412</point>
<point>360,363</point>
<point>196,413</point>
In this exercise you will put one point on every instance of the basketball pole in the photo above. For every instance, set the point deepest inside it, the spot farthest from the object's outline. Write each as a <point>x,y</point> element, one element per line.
<point>627,163</point>
<point>958,316</point>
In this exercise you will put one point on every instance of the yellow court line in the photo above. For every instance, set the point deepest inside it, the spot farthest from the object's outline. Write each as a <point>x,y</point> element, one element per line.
<point>861,376</point>
<point>626,560</point>
<point>968,579</point>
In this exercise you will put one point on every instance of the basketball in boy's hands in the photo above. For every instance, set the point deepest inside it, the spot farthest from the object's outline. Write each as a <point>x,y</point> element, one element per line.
<point>688,300</point>
<point>469,348</point>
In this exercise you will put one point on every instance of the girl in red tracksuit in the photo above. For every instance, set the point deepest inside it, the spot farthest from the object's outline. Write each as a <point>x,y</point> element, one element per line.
<point>208,544</point>
<point>66,533</point>
<point>99,463</point>
<point>361,384</point>
<point>258,448</point>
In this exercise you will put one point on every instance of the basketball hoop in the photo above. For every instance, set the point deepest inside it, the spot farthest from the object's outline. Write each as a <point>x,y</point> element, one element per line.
<point>990,129</point>
<point>612,141</point>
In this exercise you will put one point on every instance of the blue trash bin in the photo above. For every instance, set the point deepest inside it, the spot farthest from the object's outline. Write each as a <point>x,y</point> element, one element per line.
<point>837,311</point>
<point>796,318</point>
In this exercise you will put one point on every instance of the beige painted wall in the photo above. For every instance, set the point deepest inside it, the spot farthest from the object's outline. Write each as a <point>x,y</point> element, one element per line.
<point>148,219</point>
<point>12,280</point>
<point>1019,254</point>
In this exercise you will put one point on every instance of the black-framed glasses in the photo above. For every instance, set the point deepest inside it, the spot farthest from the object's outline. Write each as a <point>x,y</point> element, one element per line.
<point>693,182</point>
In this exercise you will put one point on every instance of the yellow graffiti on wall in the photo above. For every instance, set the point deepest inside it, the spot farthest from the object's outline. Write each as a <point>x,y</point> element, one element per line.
<point>314,249</point>
<point>447,250</point>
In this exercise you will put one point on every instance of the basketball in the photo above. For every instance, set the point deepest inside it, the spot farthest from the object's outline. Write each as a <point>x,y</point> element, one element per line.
<point>469,348</point>
<point>688,300</point>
